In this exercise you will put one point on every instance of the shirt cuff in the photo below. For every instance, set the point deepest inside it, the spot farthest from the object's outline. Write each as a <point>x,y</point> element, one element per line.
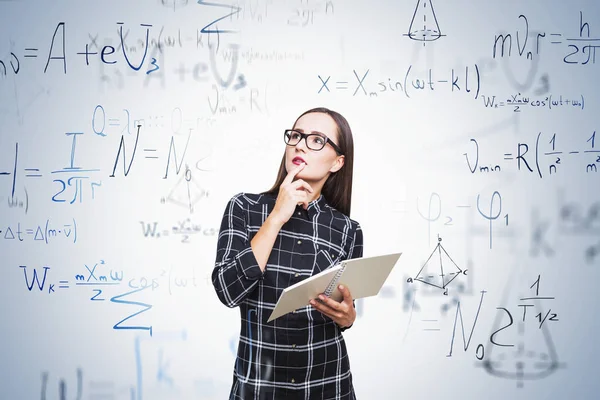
<point>247,265</point>
<point>343,329</point>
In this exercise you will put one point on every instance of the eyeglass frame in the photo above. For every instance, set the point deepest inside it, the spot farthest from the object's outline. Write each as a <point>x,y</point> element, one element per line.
<point>305,137</point>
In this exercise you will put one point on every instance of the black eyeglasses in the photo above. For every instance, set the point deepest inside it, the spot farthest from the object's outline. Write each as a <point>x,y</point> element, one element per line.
<point>314,141</point>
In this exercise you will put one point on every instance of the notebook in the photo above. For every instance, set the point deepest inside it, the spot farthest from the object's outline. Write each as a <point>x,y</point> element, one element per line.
<point>363,276</point>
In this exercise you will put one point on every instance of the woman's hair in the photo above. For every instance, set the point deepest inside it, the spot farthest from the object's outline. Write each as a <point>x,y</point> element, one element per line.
<point>337,190</point>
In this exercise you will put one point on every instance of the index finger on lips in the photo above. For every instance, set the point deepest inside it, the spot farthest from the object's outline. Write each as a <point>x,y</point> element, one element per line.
<point>290,176</point>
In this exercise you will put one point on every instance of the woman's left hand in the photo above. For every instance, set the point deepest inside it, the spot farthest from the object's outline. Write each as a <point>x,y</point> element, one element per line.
<point>342,313</point>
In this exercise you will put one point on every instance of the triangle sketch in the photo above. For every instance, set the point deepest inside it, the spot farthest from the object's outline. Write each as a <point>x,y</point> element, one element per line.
<point>438,271</point>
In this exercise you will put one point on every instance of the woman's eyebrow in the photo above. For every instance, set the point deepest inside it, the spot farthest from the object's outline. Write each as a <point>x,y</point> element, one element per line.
<point>317,132</point>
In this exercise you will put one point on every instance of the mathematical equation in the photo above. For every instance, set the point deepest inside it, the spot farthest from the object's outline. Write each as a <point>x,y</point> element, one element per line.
<point>38,281</point>
<point>520,103</point>
<point>531,162</point>
<point>455,82</point>
<point>582,47</point>
<point>185,229</point>
<point>57,52</point>
<point>572,219</point>
<point>545,362</point>
<point>96,280</point>
<point>435,203</point>
<point>104,124</point>
<point>43,233</point>
<point>108,56</point>
<point>71,179</point>
<point>92,279</point>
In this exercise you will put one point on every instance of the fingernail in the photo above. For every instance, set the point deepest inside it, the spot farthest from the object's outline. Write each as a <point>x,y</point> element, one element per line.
<point>341,287</point>
<point>322,297</point>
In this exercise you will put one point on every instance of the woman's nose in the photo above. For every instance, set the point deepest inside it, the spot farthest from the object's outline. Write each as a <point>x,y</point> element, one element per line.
<point>301,144</point>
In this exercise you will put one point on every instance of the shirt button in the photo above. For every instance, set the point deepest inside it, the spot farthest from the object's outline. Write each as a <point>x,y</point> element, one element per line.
<point>294,346</point>
<point>299,213</point>
<point>293,380</point>
<point>299,241</point>
<point>297,274</point>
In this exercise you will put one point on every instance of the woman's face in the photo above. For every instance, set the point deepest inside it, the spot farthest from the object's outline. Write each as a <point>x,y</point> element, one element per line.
<point>318,162</point>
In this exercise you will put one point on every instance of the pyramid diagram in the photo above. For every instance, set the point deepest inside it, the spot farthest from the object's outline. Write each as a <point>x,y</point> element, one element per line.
<point>439,269</point>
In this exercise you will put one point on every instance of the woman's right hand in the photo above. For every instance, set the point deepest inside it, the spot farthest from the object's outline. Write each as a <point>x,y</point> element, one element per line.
<point>291,194</point>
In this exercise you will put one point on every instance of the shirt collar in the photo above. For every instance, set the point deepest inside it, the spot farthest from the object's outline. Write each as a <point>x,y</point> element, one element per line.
<point>316,206</point>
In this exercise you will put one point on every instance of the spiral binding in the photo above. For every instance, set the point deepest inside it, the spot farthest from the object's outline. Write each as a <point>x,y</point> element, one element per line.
<point>334,281</point>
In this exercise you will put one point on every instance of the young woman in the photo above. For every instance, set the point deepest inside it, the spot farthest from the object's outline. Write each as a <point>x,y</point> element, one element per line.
<point>274,239</point>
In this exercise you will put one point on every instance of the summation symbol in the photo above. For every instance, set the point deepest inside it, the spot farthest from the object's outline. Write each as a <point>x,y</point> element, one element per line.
<point>448,270</point>
<point>424,26</point>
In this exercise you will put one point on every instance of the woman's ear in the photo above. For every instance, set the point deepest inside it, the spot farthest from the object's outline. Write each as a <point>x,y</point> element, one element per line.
<point>337,164</point>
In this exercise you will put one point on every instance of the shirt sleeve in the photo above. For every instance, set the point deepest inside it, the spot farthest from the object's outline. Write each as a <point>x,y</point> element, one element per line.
<point>236,273</point>
<point>356,251</point>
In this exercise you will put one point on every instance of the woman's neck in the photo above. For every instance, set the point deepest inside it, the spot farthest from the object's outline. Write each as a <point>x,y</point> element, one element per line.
<point>313,196</point>
<point>317,187</point>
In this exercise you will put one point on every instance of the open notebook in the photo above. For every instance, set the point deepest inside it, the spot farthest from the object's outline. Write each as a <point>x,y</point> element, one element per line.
<point>364,277</point>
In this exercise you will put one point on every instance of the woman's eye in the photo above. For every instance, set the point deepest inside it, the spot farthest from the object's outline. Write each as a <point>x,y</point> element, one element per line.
<point>295,135</point>
<point>319,140</point>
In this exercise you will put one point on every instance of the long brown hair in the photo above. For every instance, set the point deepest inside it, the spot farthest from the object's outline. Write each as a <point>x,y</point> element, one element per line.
<point>337,190</point>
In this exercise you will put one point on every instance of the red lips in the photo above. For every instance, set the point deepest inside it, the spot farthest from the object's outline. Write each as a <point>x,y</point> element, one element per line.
<point>298,160</point>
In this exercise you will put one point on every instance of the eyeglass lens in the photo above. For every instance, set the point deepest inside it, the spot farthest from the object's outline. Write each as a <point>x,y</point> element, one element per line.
<point>314,142</point>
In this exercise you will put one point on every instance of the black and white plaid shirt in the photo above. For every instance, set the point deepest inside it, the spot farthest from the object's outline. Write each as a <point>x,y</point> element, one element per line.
<point>301,355</point>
